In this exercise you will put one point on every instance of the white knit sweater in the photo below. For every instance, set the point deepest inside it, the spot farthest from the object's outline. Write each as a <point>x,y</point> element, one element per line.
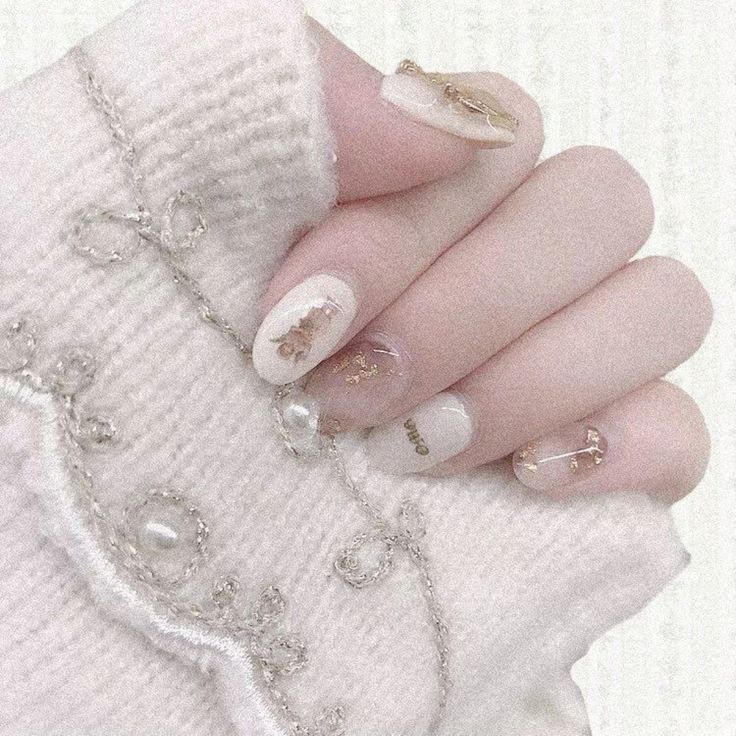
<point>191,123</point>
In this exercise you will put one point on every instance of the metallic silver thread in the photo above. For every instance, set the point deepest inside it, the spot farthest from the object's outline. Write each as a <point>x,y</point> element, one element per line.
<point>277,652</point>
<point>163,239</point>
<point>220,614</point>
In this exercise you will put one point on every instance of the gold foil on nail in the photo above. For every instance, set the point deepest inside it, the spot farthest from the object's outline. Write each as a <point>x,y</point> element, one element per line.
<point>590,455</point>
<point>296,344</point>
<point>467,99</point>
<point>361,369</point>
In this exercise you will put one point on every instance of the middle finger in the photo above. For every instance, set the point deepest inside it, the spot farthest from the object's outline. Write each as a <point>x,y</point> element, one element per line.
<point>577,219</point>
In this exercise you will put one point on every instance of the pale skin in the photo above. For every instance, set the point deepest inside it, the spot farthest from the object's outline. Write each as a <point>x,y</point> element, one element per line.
<point>510,284</point>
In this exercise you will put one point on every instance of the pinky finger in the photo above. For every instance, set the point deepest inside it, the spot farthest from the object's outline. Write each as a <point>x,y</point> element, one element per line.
<point>654,440</point>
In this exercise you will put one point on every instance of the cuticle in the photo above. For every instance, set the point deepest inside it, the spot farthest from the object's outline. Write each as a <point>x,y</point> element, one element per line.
<point>394,346</point>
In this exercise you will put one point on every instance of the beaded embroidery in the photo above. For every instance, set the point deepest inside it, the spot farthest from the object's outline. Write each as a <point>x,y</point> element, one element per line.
<point>363,562</point>
<point>278,652</point>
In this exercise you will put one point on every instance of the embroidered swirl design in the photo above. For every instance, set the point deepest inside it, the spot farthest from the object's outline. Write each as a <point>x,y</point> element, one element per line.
<point>170,243</point>
<point>141,547</point>
<point>160,541</point>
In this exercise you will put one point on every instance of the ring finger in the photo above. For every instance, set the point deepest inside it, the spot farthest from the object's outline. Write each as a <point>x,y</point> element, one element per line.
<point>636,326</point>
<point>653,440</point>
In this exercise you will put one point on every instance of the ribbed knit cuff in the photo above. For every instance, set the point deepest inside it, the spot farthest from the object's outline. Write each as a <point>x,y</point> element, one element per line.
<point>219,99</point>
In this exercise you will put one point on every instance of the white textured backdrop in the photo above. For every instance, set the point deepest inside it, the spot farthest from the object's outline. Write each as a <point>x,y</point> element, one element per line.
<point>657,80</point>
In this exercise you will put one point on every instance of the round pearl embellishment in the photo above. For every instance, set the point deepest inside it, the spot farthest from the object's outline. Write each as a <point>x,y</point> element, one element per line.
<point>166,535</point>
<point>298,415</point>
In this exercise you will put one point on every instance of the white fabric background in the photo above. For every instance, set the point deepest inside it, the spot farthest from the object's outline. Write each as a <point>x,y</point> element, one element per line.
<point>657,80</point>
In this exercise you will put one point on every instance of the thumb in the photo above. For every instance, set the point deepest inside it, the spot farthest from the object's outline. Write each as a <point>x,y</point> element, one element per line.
<point>380,149</point>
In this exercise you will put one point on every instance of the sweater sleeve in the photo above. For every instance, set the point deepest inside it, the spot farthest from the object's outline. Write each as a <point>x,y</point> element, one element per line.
<point>200,579</point>
<point>221,100</point>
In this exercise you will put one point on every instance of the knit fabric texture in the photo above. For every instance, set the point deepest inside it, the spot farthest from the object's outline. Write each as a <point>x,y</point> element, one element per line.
<point>211,113</point>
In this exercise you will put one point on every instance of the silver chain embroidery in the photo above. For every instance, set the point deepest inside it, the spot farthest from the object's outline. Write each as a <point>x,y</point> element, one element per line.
<point>277,652</point>
<point>406,535</point>
<point>170,247</point>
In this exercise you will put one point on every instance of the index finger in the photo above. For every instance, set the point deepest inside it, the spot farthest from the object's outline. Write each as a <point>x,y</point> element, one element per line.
<point>362,257</point>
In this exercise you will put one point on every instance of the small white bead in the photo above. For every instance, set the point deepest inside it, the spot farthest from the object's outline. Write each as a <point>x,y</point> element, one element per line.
<point>300,422</point>
<point>168,534</point>
<point>300,413</point>
<point>159,535</point>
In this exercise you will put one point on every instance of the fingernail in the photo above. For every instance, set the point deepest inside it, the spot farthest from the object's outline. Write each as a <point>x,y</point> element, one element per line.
<point>303,328</point>
<point>434,432</point>
<point>561,458</point>
<point>357,386</point>
<point>444,102</point>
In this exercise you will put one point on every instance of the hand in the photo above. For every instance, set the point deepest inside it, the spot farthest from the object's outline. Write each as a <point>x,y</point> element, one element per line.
<point>488,304</point>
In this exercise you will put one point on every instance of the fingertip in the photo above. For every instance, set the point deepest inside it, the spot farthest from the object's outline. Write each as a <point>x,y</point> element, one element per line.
<point>610,184</point>
<point>680,294</point>
<point>530,133</point>
<point>693,442</point>
<point>381,149</point>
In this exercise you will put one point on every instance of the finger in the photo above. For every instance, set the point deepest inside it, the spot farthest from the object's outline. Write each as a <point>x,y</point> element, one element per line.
<point>634,327</point>
<point>367,253</point>
<point>379,147</point>
<point>579,217</point>
<point>654,440</point>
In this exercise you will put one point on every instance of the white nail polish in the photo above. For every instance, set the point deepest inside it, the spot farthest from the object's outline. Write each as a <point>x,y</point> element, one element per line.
<point>303,329</point>
<point>427,102</point>
<point>434,432</point>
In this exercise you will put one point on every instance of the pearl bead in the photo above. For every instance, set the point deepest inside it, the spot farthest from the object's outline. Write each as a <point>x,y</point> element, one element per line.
<point>300,413</point>
<point>300,421</point>
<point>168,534</point>
<point>159,535</point>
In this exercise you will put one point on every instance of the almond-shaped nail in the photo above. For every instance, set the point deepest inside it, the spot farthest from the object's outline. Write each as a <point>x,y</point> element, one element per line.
<point>445,102</point>
<point>561,458</point>
<point>357,386</point>
<point>303,328</point>
<point>434,432</point>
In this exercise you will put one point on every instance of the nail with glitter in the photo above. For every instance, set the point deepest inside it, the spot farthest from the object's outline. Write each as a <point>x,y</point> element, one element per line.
<point>561,458</point>
<point>447,102</point>
<point>357,386</point>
